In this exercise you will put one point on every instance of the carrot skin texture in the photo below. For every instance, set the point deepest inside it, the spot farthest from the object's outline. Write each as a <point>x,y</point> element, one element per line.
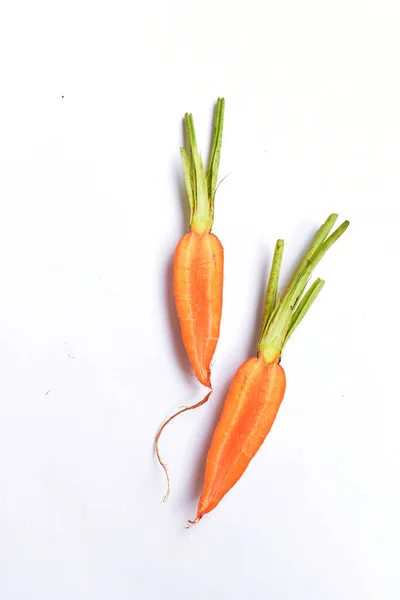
<point>198,283</point>
<point>251,406</point>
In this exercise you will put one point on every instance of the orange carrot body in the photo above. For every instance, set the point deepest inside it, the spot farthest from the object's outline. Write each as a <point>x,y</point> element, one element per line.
<point>198,282</point>
<point>258,387</point>
<point>250,409</point>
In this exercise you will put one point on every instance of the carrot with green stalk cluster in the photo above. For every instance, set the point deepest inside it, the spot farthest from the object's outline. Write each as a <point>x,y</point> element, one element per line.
<point>259,385</point>
<point>199,262</point>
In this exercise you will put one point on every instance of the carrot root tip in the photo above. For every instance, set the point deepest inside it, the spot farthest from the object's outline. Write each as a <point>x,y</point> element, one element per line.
<point>194,522</point>
<point>166,496</point>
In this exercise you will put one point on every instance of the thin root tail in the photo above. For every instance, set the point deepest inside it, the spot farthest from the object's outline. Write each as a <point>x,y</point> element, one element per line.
<point>162,463</point>
<point>164,466</point>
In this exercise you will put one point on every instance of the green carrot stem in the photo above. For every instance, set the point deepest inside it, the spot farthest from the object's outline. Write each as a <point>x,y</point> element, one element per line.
<point>188,181</point>
<point>201,187</point>
<point>215,153</point>
<point>272,290</point>
<point>318,239</point>
<point>291,309</point>
<point>304,306</point>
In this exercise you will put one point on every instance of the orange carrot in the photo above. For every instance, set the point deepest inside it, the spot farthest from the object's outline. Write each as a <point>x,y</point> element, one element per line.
<point>198,280</point>
<point>199,262</point>
<point>259,385</point>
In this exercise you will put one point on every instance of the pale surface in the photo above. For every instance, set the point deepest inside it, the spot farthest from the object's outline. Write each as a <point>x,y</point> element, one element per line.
<point>91,359</point>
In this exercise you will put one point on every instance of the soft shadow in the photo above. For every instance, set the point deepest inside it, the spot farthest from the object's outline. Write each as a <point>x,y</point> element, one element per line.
<point>199,463</point>
<point>174,325</point>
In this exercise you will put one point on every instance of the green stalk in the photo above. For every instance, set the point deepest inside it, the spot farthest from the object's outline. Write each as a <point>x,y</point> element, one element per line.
<point>291,308</point>
<point>304,306</point>
<point>272,290</point>
<point>188,181</point>
<point>318,239</point>
<point>215,153</point>
<point>201,186</point>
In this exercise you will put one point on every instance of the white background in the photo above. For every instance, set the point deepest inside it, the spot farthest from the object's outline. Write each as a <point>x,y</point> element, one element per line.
<point>92,206</point>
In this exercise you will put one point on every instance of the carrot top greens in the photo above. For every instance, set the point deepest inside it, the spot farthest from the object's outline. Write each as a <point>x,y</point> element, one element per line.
<point>201,185</point>
<point>282,316</point>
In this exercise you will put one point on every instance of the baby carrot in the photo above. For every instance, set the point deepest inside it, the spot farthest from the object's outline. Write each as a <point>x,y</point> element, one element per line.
<point>258,387</point>
<point>199,262</point>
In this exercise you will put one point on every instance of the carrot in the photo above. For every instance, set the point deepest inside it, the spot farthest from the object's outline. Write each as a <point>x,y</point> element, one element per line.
<point>199,262</point>
<point>198,280</point>
<point>259,385</point>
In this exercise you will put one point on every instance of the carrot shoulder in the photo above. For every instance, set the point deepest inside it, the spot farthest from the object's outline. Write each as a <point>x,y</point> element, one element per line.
<point>259,385</point>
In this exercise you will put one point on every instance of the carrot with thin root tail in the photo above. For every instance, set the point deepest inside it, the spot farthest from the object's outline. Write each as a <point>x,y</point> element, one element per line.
<point>258,387</point>
<point>199,261</point>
